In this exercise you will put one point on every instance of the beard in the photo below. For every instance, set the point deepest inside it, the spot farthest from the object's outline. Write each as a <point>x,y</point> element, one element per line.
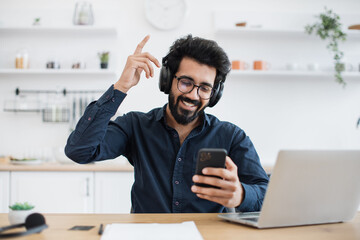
<point>183,116</point>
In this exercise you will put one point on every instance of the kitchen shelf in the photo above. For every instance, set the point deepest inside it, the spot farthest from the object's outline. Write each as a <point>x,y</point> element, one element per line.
<point>59,30</point>
<point>56,72</point>
<point>242,31</point>
<point>15,110</point>
<point>279,73</point>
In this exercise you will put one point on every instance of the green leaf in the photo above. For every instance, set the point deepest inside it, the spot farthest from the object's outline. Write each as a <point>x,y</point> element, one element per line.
<point>329,28</point>
<point>21,206</point>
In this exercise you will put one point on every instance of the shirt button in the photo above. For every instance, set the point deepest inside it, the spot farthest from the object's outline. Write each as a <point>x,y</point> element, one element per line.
<point>175,135</point>
<point>89,118</point>
<point>177,203</point>
<point>179,159</point>
<point>176,182</point>
<point>107,97</point>
<point>113,99</point>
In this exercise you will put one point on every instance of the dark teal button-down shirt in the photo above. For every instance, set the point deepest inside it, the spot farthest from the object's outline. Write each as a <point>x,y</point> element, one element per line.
<point>163,168</point>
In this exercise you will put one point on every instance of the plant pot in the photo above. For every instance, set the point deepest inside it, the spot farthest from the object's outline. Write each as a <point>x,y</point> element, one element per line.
<point>103,65</point>
<point>19,216</point>
<point>344,67</point>
<point>340,67</point>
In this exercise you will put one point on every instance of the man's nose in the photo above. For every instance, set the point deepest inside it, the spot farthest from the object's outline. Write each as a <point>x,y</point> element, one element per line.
<point>193,94</point>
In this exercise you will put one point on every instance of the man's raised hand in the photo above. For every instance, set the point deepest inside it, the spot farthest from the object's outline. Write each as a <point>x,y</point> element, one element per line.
<point>135,65</point>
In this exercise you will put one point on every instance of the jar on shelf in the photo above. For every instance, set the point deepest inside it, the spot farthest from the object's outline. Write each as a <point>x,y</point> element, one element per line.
<point>83,14</point>
<point>22,59</point>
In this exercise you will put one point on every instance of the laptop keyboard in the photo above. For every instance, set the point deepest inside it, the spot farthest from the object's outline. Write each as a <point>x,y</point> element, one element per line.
<point>253,217</point>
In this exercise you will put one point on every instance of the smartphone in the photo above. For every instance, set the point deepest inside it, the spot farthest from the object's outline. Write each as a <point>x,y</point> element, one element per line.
<point>210,157</point>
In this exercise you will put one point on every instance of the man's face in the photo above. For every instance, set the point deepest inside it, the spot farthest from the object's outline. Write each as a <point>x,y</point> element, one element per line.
<point>186,107</point>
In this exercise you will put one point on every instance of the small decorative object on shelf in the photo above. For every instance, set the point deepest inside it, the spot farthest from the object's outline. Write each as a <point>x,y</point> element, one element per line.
<point>83,14</point>
<point>22,59</point>
<point>354,27</point>
<point>240,24</point>
<point>37,22</point>
<point>53,65</point>
<point>261,65</point>
<point>344,67</point>
<point>19,212</point>
<point>104,59</point>
<point>314,66</point>
<point>239,65</point>
<point>292,66</point>
<point>329,28</point>
<point>78,65</point>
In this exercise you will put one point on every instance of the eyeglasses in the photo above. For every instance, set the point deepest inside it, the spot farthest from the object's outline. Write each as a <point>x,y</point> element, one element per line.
<point>186,85</point>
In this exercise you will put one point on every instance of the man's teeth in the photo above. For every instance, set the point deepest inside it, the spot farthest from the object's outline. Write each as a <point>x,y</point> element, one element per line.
<point>188,104</point>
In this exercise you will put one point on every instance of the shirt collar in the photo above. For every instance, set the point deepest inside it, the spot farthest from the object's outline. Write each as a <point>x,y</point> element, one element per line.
<point>207,119</point>
<point>161,113</point>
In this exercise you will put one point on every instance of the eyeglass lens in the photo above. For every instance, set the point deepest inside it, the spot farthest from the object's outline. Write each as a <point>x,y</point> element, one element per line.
<point>186,85</point>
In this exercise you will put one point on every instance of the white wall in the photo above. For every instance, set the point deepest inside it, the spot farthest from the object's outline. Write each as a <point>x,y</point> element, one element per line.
<point>275,113</point>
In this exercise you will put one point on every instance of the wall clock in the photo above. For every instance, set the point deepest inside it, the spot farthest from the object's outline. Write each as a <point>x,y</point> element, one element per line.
<point>165,14</point>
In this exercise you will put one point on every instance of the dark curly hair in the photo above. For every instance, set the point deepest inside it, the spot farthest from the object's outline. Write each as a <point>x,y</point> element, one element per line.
<point>202,50</point>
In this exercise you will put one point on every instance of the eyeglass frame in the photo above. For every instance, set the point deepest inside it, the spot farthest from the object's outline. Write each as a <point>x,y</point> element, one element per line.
<point>194,85</point>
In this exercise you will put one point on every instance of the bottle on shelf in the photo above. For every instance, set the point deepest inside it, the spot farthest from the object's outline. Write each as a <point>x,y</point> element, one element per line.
<point>22,59</point>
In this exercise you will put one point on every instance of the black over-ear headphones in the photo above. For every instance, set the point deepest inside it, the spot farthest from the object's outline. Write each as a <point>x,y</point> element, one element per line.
<point>166,78</point>
<point>34,223</point>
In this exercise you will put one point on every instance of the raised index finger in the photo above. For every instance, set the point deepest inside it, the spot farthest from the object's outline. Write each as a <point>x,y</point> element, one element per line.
<point>141,45</point>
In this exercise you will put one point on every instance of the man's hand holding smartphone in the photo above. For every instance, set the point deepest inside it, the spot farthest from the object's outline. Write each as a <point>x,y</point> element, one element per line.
<point>225,188</point>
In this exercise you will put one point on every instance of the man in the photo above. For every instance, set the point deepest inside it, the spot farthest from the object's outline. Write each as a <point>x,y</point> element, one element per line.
<point>162,144</point>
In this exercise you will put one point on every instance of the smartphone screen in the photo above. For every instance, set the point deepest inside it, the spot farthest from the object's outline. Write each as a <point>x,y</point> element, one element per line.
<point>210,157</point>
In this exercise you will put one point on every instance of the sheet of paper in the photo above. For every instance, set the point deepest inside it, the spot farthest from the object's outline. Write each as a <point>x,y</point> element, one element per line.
<point>149,231</point>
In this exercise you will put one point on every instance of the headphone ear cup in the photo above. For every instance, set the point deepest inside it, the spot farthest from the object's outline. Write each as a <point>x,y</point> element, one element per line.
<point>165,80</point>
<point>217,95</point>
<point>34,220</point>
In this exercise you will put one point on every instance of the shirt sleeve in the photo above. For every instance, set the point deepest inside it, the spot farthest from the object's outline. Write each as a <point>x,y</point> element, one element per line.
<point>251,174</point>
<point>95,136</point>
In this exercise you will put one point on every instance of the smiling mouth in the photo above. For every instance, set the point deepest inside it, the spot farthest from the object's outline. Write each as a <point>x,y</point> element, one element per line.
<point>188,104</point>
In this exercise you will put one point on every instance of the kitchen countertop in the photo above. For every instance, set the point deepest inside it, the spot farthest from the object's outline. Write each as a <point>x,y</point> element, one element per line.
<point>106,166</point>
<point>56,166</point>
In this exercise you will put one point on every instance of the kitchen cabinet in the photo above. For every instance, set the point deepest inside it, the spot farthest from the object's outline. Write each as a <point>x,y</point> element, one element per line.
<point>4,191</point>
<point>69,188</point>
<point>55,192</point>
<point>113,192</point>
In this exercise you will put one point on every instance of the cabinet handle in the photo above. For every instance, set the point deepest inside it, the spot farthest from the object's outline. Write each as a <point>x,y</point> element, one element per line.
<point>87,187</point>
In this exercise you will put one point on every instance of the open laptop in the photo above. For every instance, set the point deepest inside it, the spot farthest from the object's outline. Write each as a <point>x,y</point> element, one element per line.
<point>308,187</point>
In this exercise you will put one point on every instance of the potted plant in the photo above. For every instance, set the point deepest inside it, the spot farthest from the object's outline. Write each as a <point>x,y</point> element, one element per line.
<point>329,28</point>
<point>104,59</point>
<point>37,22</point>
<point>19,212</point>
